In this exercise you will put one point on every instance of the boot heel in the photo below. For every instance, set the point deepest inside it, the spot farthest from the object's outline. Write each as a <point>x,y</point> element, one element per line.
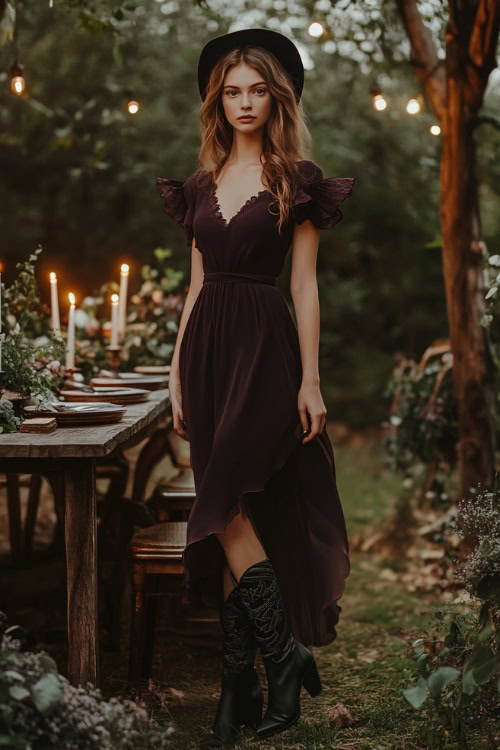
<point>311,681</point>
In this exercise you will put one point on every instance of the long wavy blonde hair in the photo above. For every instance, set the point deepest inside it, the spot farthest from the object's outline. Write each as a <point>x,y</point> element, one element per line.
<point>286,137</point>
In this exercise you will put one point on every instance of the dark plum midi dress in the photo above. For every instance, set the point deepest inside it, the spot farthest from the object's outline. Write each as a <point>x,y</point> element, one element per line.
<point>240,374</point>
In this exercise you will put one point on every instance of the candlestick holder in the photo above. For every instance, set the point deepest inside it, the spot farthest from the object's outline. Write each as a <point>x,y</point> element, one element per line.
<point>114,356</point>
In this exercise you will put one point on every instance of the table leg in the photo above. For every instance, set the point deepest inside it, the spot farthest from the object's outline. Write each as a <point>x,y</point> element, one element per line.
<point>15,520</point>
<point>81,566</point>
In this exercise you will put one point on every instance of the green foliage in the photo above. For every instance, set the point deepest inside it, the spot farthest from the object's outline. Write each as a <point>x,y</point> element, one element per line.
<point>31,354</point>
<point>9,421</point>
<point>461,671</point>
<point>154,314</point>
<point>39,708</point>
<point>424,419</point>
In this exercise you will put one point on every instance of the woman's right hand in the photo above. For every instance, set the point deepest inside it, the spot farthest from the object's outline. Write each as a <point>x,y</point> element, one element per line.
<point>174,388</point>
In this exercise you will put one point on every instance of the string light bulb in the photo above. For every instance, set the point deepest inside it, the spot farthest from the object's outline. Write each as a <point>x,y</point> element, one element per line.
<point>316,29</point>
<point>413,106</point>
<point>435,130</point>
<point>378,99</point>
<point>132,104</point>
<point>17,82</point>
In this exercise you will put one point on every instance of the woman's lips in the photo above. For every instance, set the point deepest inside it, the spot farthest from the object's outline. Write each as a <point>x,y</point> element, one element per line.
<point>248,118</point>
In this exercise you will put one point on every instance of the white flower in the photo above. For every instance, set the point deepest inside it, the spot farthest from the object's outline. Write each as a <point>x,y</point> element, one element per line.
<point>81,318</point>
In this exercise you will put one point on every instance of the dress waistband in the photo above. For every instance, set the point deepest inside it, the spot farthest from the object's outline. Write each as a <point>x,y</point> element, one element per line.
<point>255,278</point>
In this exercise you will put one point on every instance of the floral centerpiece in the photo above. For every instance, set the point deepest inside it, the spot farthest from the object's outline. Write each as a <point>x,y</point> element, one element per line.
<point>31,353</point>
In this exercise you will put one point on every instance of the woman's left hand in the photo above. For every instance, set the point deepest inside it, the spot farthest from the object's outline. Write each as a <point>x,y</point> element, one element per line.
<point>310,402</point>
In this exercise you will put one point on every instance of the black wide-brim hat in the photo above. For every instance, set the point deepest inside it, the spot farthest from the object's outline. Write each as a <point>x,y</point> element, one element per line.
<point>278,44</point>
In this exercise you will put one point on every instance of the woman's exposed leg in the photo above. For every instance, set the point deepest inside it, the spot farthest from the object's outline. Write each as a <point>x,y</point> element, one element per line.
<point>241,545</point>
<point>288,663</point>
<point>228,585</point>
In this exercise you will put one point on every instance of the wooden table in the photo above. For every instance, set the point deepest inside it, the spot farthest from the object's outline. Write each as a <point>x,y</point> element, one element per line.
<point>68,456</point>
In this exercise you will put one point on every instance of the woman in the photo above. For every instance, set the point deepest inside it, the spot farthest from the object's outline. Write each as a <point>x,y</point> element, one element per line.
<point>266,539</point>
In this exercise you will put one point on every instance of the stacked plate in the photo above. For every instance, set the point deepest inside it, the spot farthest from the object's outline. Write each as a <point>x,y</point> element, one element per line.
<point>153,369</point>
<point>78,413</point>
<point>132,380</point>
<point>112,394</point>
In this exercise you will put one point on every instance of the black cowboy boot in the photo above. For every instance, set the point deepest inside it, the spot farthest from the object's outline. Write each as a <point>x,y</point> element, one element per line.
<point>241,698</point>
<point>288,663</point>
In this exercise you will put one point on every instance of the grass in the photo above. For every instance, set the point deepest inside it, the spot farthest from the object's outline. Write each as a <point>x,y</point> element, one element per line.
<point>365,669</point>
<point>367,666</point>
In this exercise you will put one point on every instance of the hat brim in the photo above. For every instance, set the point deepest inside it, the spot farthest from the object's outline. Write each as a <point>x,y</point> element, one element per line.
<point>278,44</point>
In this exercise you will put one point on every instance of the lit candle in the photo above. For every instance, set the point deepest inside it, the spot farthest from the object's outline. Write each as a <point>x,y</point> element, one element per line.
<point>123,300</point>
<point>115,301</point>
<point>54,304</point>
<point>70,343</point>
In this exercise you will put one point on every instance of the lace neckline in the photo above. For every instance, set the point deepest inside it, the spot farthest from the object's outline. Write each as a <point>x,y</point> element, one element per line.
<point>216,209</point>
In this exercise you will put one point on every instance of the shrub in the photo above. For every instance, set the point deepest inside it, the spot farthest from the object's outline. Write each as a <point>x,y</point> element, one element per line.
<point>40,709</point>
<point>461,672</point>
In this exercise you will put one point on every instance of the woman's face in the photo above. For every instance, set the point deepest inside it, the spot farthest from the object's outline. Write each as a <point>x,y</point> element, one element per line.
<point>245,93</point>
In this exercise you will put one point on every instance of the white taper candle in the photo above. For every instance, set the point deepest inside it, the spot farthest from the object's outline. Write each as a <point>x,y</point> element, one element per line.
<point>70,342</point>
<point>123,300</point>
<point>54,304</point>
<point>114,319</point>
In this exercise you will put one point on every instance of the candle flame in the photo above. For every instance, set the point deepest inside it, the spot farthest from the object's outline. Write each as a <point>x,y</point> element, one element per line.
<point>124,268</point>
<point>53,277</point>
<point>71,298</point>
<point>114,298</point>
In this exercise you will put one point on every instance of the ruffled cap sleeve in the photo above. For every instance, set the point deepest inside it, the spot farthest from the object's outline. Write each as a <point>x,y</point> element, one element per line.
<point>318,198</point>
<point>178,198</point>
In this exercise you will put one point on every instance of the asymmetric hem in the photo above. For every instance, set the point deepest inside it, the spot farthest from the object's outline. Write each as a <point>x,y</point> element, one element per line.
<point>240,372</point>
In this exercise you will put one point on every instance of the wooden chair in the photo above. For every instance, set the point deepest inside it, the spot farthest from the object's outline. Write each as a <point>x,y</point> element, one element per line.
<point>154,550</point>
<point>172,500</point>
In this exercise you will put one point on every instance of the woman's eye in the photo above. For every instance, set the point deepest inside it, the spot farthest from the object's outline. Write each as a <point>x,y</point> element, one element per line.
<point>256,91</point>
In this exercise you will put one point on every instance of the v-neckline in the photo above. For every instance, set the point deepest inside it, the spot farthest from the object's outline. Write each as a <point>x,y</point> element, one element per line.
<point>216,208</point>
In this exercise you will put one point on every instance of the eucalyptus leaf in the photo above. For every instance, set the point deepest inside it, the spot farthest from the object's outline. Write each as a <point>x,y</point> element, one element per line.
<point>12,675</point>
<point>18,692</point>
<point>468,683</point>
<point>48,663</point>
<point>416,695</point>
<point>47,693</point>
<point>439,679</point>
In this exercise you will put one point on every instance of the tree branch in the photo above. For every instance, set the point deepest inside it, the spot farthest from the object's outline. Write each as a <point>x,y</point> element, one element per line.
<point>428,71</point>
<point>481,58</point>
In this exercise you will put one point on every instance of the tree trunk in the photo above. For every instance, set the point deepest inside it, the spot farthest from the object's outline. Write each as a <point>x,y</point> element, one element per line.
<point>456,96</point>
<point>463,254</point>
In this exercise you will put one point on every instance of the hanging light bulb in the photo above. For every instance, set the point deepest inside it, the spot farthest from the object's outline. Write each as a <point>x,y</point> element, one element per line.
<point>316,29</point>
<point>17,82</point>
<point>378,100</point>
<point>413,106</point>
<point>132,104</point>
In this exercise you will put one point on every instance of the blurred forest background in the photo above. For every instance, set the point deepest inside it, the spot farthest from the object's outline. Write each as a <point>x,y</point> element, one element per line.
<point>78,170</point>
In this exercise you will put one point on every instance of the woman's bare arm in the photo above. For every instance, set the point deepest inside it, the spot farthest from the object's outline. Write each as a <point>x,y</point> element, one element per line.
<point>195,285</point>
<point>304,291</point>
